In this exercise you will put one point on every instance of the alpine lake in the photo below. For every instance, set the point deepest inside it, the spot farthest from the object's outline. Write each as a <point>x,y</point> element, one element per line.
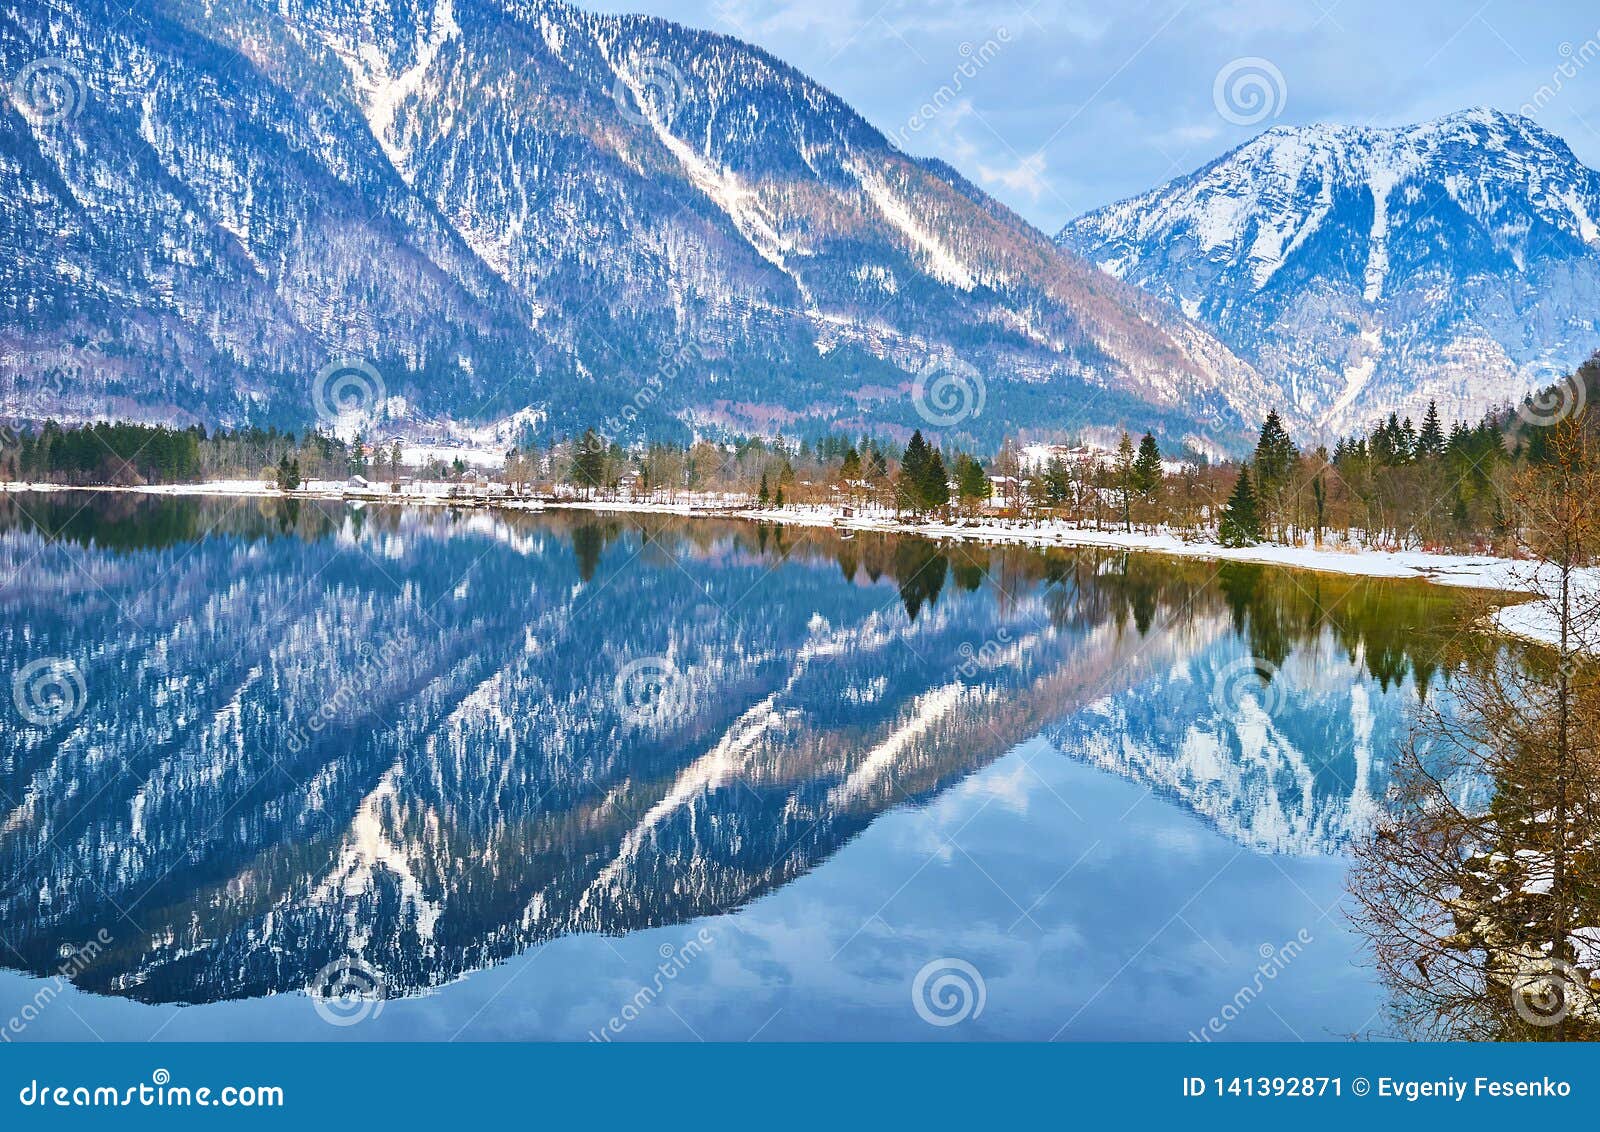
<point>298,770</point>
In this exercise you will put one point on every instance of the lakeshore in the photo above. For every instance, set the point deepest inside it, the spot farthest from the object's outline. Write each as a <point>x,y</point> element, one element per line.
<point>1529,620</point>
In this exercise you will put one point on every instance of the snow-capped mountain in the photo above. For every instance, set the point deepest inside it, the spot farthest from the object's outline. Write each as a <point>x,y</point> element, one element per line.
<point>1285,769</point>
<point>1365,271</point>
<point>512,206</point>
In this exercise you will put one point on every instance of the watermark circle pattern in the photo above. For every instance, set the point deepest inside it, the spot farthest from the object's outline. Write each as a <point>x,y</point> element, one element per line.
<point>49,691</point>
<point>947,992</point>
<point>1249,90</point>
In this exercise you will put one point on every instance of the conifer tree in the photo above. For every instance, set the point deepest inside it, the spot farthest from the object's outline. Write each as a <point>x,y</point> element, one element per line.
<point>914,461</point>
<point>877,469</point>
<point>288,473</point>
<point>1275,460</point>
<point>1147,466</point>
<point>971,484</point>
<point>1125,479</point>
<point>935,482</point>
<point>1241,524</point>
<point>1275,455</point>
<point>1147,470</point>
<point>1430,441</point>
<point>1319,502</point>
<point>589,462</point>
<point>911,490</point>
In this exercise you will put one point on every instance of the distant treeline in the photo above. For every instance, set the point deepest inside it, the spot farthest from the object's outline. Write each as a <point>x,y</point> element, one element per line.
<point>1402,484</point>
<point>104,453</point>
<point>1405,484</point>
<point>126,454</point>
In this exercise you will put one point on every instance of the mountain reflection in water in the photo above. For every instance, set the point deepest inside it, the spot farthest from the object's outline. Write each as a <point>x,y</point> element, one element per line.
<point>311,732</point>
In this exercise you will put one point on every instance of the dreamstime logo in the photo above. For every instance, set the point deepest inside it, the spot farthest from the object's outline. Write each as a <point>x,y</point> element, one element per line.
<point>1573,60</point>
<point>948,991</point>
<point>1247,680</point>
<point>347,992</point>
<point>97,344</point>
<point>1249,90</point>
<point>650,691</point>
<point>657,88</point>
<point>1545,996</point>
<point>675,960</point>
<point>349,698</point>
<point>12,430</point>
<point>82,357</point>
<point>158,1092</point>
<point>48,90</point>
<point>48,691</point>
<point>974,58</point>
<point>1570,667</point>
<point>947,393</point>
<point>346,386</point>
<point>1274,961</point>
<point>1551,406</point>
<point>74,961</point>
<point>676,359</point>
<point>992,654</point>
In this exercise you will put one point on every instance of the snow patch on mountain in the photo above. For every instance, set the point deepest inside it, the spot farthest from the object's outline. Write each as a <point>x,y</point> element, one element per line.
<point>1471,239</point>
<point>740,203</point>
<point>385,91</point>
<point>562,199</point>
<point>943,263</point>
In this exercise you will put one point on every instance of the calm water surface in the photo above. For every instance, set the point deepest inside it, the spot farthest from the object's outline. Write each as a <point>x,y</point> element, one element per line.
<point>556,776</point>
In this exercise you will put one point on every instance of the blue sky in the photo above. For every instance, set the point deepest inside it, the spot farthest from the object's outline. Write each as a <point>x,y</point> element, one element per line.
<point>1065,106</point>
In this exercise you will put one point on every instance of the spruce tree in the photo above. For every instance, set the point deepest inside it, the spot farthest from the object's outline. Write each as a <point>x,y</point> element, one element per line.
<point>913,484</point>
<point>914,461</point>
<point>1275,459</point>
<point>877,469</point>
<point>935,482</point>
<point>1275,455</point>
<point>971,484</point>
<point>1147,467</point>
<point>1387,443</point>
<point>1430,441</point>
<point>589,462</point>
<point>1240,525</point>
<point>764,496</point>
<point>288,474</point>
<point>1125,479</point>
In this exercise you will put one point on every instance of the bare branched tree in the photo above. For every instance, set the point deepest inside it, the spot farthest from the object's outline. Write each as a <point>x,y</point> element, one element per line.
<point>1479,894</point>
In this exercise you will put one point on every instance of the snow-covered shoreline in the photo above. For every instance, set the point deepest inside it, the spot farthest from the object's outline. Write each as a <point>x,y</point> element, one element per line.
<point>1528,620</point>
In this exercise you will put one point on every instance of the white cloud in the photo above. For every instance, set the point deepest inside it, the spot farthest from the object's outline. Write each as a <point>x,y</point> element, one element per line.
<point>1196,133</point>
<point>1027,176</point>
<point>1120,99</point>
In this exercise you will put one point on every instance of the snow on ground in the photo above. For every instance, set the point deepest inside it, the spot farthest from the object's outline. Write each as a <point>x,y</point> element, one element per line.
<point>418,455</point>
<point>425,491</point>
<point>1037,457</point>
<point>1531,620</point>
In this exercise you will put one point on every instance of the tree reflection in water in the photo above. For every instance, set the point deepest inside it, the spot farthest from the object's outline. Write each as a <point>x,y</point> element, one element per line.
<point>1473,928</point>
<point>1480,892</point>
<point>489,794</point>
